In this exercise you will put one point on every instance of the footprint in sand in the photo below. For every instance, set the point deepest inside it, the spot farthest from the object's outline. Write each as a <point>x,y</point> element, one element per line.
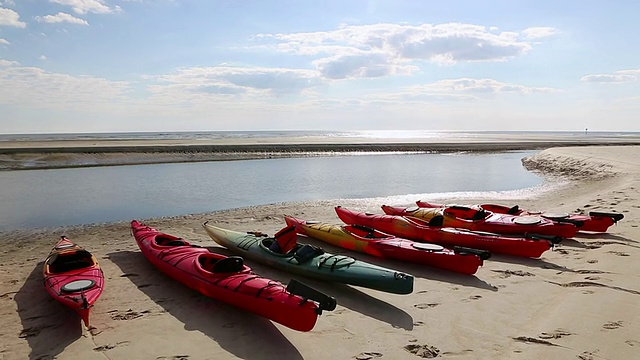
<point>632,342</point>
<point>599,244</point>
<point>127,315</point>
<point>619,253</point>
<point>110,346</point>
<point>612,325</point>
<point>173,357</point>
<point>33,331</point>
<point>423,351</point>
<point>591,271</point>
<point>592,261</point>
<point>557,334</point>
<point>418,323</point>
<point>527,339</point>
<point>367,355</point>
<point>508,273</point>
<point>587,355</point>
<point>472,297</point>
<point>425,305</point>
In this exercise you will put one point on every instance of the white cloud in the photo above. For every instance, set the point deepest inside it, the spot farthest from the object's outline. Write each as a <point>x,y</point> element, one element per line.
<point>4,42</point>
<point>9,17</point>
<point>481,86</point>
<point>34,87</point>
<point>7,62</point>
<point>8,3</point>
<point>61,17</point>
<point>622,76</point>
<point>363,65</point>
<point>386,49</point>
<point>232,81</point>
<point>87,6</point>
<point>539,32</point>
<point>43,57</point>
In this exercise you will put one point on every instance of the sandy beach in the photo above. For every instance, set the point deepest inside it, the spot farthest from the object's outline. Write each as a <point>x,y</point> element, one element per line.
<point>578,301</point>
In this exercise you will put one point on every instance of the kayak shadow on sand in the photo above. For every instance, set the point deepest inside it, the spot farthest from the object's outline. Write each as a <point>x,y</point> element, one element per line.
<point>352,298</point>
<point>346,295</point>
<point>530,262</point>
<point>48,326</point>
<point>445,276</point>
<point>417,270</point>
<point>604,236</point>
<point>231,328</point>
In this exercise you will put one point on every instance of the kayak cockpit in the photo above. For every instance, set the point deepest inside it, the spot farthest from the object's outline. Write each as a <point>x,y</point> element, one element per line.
<point>212,264</point>
<point>68,261</point>
<point>303,253</point>
<point>467,213</point>
<point>165,240</point>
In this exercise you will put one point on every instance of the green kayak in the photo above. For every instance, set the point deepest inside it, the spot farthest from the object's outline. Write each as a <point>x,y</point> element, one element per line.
<point>311,261</point>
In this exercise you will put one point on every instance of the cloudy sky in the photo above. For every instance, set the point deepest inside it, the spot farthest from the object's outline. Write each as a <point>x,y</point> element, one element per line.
<point>174,65</point>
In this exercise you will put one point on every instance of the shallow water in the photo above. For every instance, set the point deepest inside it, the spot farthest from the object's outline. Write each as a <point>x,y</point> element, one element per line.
<point>77,196</point>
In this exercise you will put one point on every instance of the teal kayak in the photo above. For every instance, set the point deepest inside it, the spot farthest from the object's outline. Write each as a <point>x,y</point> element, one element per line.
<point>312,261</point>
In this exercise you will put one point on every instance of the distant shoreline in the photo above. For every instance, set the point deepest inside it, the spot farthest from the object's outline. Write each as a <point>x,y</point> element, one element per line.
<point>31,155</point>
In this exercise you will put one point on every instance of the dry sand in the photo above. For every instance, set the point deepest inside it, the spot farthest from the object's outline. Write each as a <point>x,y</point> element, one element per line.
<point>578,301</point>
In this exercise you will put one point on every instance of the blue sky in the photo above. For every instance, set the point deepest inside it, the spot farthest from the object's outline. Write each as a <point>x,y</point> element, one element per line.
<point>163,65</point>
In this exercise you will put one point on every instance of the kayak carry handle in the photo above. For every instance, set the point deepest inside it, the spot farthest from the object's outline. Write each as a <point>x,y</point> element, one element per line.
<point>483,254</point>
<point>615,216</point>
<point>551,238</point>
<point>325,302</point>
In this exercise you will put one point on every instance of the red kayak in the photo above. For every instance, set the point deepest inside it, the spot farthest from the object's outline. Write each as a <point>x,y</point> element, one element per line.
<point>370,241</point>
<point>478,219</point>
<point>594,222</point>
<point>227,279</point>
<point>73,277</point>
<point>420,230</point>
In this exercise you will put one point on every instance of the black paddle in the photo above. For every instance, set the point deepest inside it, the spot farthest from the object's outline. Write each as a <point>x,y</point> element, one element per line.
<point>325,302</point>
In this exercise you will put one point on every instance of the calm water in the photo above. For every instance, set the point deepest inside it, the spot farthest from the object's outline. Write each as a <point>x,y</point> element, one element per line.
<point>47,198</point>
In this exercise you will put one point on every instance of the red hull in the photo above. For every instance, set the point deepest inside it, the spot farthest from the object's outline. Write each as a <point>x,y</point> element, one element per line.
<point>376,243</point>
<point>195,267</point>
<point>419,230</point>
<point>73,277</point>
<point>594,222</point>
<point>476,219</point>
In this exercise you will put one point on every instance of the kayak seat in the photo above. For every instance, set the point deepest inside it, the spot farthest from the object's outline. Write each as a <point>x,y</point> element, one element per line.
<point>229,264</point>
<point>274,246</point>
<point>79,260</point>
<point>369,233</point>
<point>286,239</point>
<point>513,210</point>
<point>437,221</point>
<point>479,215</point>
<point>307,252</point>
<point>166,241</point>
